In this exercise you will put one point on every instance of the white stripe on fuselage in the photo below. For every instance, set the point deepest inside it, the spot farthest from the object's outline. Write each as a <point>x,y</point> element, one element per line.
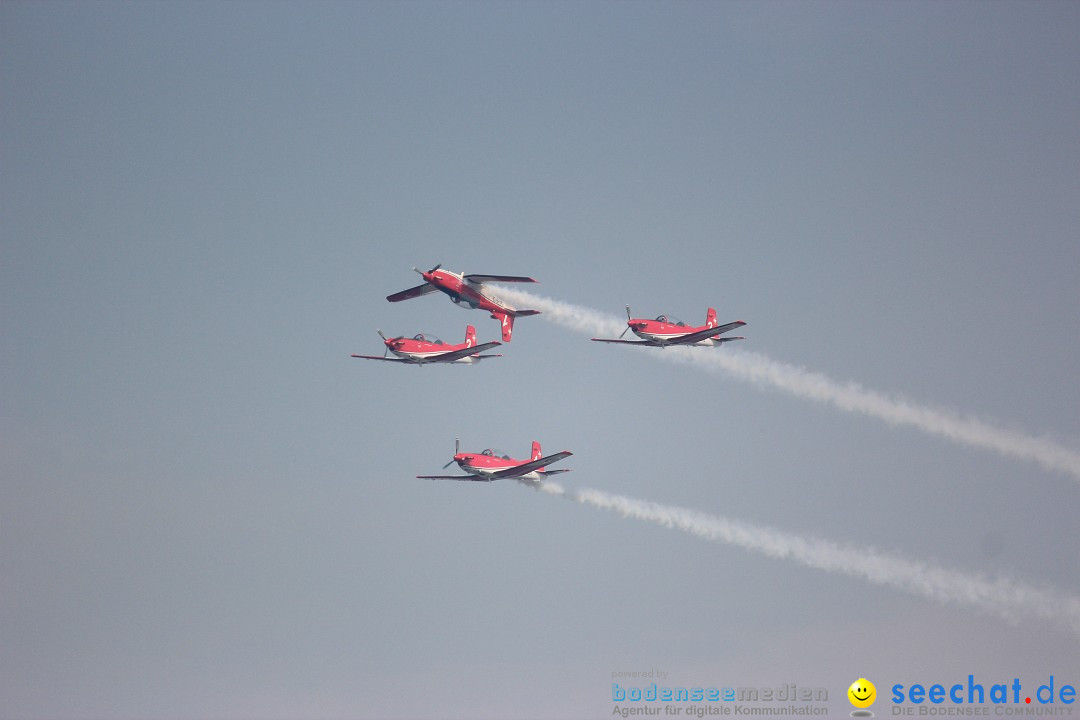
<point>490,471</point>
<point>418,355</point>
<point>478,288</point>
<point>433,356</point>
<point>668,337</point>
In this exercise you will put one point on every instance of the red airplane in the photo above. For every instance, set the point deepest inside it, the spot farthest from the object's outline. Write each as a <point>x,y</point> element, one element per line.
<point>669,330</point>
<point>421,348</point>
<point>492,465</point>
<point>468,291</point>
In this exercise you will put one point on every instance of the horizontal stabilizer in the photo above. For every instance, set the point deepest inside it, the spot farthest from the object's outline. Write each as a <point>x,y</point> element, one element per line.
<point>526,313</point>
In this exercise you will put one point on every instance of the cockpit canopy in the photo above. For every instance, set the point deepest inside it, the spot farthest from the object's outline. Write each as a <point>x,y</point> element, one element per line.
<point>491,452</point>
<point>428,337</point>
<point>671,320</point>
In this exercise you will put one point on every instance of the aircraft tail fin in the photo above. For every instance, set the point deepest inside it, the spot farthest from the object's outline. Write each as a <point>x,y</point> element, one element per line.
<point>470,336</point>
<point>710,318</point>
<point>507,322</point>
<point>536,454</point>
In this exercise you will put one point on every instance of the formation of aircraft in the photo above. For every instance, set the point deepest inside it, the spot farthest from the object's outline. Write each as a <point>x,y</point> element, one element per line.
<point>669,330</point>
<point>468,291</point>
<point>421,349</point>
<point>489,464</point>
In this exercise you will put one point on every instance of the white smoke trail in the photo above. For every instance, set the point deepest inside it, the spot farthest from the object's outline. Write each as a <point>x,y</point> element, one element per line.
<point>1000,596</point>
<point>850,397</point>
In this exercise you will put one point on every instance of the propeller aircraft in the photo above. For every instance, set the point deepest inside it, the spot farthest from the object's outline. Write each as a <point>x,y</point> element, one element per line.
<point>421,349</point>
<point>669,330</point>
<point>491,465</point>
<point>467,291</point>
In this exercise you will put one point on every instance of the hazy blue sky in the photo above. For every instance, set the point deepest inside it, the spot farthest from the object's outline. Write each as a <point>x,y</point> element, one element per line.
<point>209,510</point>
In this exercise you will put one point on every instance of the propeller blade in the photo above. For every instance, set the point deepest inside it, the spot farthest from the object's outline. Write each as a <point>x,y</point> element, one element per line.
<point>457,449</point>
<point>628,319</point>
<point>435,268</point>
<point>381,335</point>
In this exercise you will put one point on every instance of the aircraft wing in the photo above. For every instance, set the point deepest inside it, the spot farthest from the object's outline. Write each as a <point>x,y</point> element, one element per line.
<point>528,467</point>
<point>380,357</point>
<point>473,478</point>
<point>498,278</point>
<point>412,292</point>
<point>706,333</point>
<point>729,327</point>
<point>465,352</point>
<point>625,342</point>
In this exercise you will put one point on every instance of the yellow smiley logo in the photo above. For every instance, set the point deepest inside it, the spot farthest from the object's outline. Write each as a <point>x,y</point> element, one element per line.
<point>862,693</point>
